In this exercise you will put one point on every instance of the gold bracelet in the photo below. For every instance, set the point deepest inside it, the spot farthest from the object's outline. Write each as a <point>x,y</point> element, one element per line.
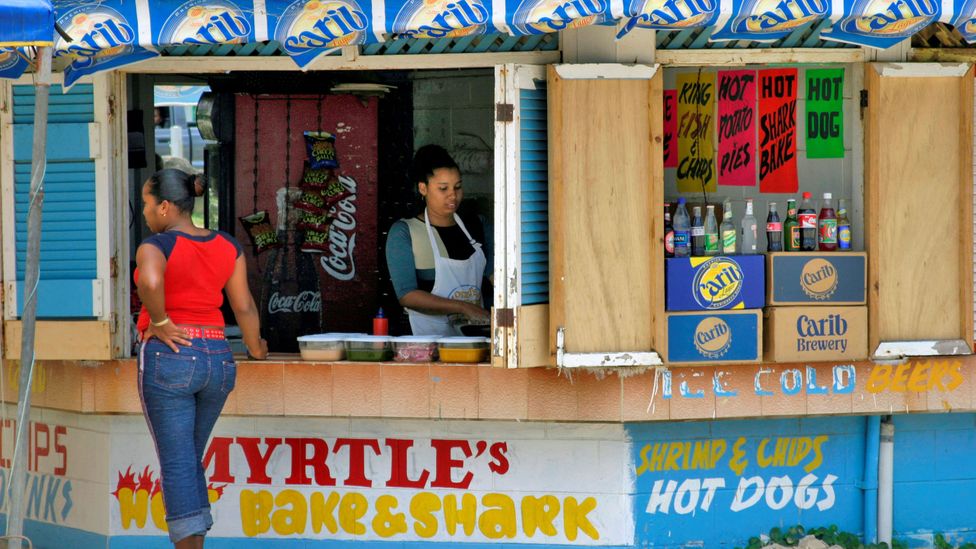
<point>162,322</point>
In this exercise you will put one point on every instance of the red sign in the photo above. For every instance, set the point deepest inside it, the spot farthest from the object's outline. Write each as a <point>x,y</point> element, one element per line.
<point>670,128</point>
<point>346,269</point>
<point>737,128</point>
<point>777,131</point>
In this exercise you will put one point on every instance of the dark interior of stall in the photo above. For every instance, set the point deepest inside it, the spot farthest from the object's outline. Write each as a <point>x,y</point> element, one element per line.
<point>244,133</point>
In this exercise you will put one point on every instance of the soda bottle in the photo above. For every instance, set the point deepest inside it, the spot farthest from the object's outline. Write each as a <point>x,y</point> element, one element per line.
<point>844,235</point>
<point>774,230</point>
<point>291,301</point>
<point>727,229</point>
<point>711,231</point>
<point>827,225</point>
<point>697,232</point>
<point>682,230</point>
<point>748,230</point>
<point>668,232</point>
<point>808,225</point>
<point>791,228</point>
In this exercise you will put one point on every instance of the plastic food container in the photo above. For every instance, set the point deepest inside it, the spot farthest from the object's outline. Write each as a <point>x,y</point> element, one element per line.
<point>415,349</point>
<point>367,348</point>
<point>463,349</point>
<point>323,347</point>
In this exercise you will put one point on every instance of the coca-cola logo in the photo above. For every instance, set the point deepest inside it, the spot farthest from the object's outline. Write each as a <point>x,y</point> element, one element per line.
<point>304,302</point>
<point>339,262</point>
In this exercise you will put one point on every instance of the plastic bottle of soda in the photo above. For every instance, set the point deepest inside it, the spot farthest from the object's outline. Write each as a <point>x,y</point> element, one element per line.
<point>711,231</point>
<point>791,228</point>
<point>808,225</point>
<point>827,225</point>
<point>697,232</point>
<point>844,235</point>
<point>668,232</point>
<point>727,229</point>
<point>774,230</point>
<point>682,230</point>
<point>748,230</point>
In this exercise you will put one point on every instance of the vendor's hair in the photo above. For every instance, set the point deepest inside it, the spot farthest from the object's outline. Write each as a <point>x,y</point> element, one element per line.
<point>427,159</point>
<point>176,186</point>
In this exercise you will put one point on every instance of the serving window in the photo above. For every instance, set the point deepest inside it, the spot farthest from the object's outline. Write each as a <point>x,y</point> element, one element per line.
<point>314,226</point>
<point>810,128</point>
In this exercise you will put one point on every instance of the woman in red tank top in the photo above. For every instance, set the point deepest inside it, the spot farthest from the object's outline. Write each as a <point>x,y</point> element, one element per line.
<point>186,368</point>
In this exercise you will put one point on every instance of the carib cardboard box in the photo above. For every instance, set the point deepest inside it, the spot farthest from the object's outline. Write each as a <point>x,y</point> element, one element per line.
<point>714,337</point>
<point>816,334</point>
<point>817,278</point>
<point>715,283</point>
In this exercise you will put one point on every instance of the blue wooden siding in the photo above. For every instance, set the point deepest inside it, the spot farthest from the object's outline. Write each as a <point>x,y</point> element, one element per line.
<point>68,233</point>
<point>534,177</point>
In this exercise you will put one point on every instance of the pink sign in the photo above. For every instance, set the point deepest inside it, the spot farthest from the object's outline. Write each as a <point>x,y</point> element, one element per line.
<point>670,128</point>
<point>737,128</point>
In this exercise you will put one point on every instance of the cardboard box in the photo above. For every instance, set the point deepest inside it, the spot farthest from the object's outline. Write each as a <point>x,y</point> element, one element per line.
<point>714,337</point>
<point>715,283</point>
<point>816,334</point>
<point>817,278</point>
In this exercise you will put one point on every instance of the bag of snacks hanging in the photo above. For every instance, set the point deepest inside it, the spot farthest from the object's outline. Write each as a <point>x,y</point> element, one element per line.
<point>316,241</point>
<point>258,227</point>
<point>317,178</point>
<point>320,147</point>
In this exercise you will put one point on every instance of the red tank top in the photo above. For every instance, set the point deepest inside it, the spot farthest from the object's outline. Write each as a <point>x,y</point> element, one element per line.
<point>197,269</point>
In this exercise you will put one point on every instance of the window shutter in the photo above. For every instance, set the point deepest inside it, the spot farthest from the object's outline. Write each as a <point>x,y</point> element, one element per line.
<point>521,217</point>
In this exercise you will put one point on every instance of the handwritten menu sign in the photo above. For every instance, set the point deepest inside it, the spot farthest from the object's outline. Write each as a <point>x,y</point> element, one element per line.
<point>736,128</point>
<point>825,113</point>
<point>670,129</point>
<point>777,131</point>
<point>696,127</point>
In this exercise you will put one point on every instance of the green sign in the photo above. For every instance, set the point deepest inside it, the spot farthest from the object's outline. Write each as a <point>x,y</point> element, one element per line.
<point>825,113</point>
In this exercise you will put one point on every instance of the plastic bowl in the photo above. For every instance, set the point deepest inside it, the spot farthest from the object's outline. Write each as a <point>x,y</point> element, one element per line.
<point>369,348</point>
<point>415,349</point>
<point>463,349</point>
<point>322,347</point>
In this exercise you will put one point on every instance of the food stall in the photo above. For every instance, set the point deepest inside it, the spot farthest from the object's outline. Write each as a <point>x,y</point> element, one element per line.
<point>595,368</point>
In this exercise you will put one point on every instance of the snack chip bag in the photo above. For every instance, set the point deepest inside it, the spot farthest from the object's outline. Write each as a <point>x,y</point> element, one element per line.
<point>311,201</point>
<point>316,241</point>
<point>258,227</point>
<point>318,179</point>
<point>320,147</point>
<point>315,221</point>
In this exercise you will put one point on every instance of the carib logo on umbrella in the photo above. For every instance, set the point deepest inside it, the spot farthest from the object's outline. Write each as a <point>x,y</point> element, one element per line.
<point>306,28</point>
<point>669,14</point>
<point>97,31</point>
<point>771,19</point>
<point>205,22</point>
<point>441,18</point>
<point>717,283</point>
<point>964,19</point>
<point>547,16</point>
<point>887,19</point>
<point>12,65</point>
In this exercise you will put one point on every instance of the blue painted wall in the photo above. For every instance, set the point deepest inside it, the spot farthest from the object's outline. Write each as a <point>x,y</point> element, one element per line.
<point>812,480</point>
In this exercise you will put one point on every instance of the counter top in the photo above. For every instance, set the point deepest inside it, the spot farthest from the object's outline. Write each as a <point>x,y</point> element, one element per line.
<point>286,386</point>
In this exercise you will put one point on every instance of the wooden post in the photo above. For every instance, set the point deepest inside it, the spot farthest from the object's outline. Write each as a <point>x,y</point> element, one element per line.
<point>15,518</point>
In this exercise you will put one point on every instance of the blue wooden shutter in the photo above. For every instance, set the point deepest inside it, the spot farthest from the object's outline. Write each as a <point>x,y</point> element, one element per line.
<point>534,167</point>
<point>68,232</point>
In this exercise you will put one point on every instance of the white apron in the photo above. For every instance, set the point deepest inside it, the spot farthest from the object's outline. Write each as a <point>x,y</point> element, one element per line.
<point>458,279</point>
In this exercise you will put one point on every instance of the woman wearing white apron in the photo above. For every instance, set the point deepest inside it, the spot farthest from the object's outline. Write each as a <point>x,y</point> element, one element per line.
<point>436,264</point>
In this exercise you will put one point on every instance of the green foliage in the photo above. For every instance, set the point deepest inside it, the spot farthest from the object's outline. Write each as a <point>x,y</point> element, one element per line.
<point>831,535</point>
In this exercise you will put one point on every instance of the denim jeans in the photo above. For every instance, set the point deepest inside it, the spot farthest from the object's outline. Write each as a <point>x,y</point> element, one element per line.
<point>182,395</point>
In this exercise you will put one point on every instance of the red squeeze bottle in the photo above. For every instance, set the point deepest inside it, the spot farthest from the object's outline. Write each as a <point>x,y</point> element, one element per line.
<point>381,324</point>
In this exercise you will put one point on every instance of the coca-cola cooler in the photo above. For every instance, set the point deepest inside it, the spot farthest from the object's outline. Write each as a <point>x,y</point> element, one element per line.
<point>333,289</point>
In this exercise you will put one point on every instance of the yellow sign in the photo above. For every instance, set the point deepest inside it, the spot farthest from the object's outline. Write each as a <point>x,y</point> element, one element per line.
<point>696,132</point>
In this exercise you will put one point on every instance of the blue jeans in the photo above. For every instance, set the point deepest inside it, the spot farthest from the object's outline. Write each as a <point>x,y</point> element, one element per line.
<point>182,395</point>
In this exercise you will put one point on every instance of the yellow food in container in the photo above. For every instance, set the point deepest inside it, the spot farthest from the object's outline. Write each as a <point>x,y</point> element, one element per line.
<point>463,349</point>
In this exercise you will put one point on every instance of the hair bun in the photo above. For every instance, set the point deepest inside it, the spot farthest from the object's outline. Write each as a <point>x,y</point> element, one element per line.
<point>199,184</point>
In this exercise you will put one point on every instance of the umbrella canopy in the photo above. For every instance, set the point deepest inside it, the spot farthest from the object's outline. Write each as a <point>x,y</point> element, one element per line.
<point>26,23</point>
